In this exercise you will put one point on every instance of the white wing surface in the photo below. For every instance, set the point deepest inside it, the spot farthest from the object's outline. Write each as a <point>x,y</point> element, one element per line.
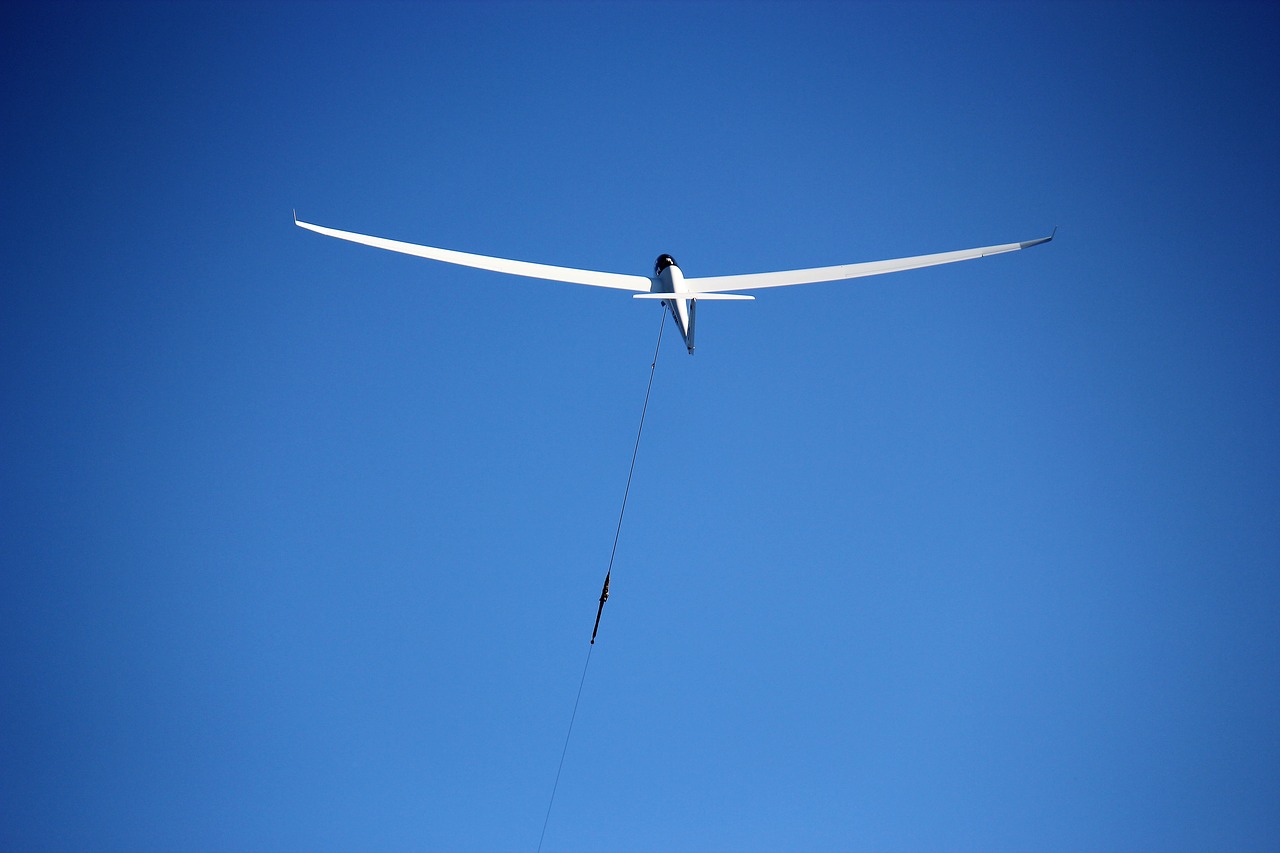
<point>619,281</point>
<point>751,281</point>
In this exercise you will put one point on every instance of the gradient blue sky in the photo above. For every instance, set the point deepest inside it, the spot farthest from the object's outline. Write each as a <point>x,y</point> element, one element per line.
<point>302,541</point>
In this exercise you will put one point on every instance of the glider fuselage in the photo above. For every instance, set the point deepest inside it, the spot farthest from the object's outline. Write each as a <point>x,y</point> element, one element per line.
<point>669,279</point>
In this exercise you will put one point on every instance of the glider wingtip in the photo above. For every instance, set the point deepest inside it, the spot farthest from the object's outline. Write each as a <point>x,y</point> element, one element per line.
<point>1029,243</point>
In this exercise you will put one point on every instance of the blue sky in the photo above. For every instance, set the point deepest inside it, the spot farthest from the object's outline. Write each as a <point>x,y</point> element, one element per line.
<point>302,541</point>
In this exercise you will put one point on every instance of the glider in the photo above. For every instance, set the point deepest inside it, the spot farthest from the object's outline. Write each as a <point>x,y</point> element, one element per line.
<point>679,294</point>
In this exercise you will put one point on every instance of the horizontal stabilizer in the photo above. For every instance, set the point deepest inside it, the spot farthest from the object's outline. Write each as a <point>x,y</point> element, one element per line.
<point>721,296</point>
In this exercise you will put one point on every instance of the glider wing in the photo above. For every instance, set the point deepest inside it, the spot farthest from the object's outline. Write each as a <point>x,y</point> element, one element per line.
<point>751,281</point>
<point>619,281</point>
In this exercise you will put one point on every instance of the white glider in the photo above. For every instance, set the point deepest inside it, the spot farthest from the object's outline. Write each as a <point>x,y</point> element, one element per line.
<point>679,294</point>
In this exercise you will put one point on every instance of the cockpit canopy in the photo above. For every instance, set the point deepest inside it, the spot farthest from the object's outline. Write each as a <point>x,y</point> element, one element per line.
<point>662,263</point>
